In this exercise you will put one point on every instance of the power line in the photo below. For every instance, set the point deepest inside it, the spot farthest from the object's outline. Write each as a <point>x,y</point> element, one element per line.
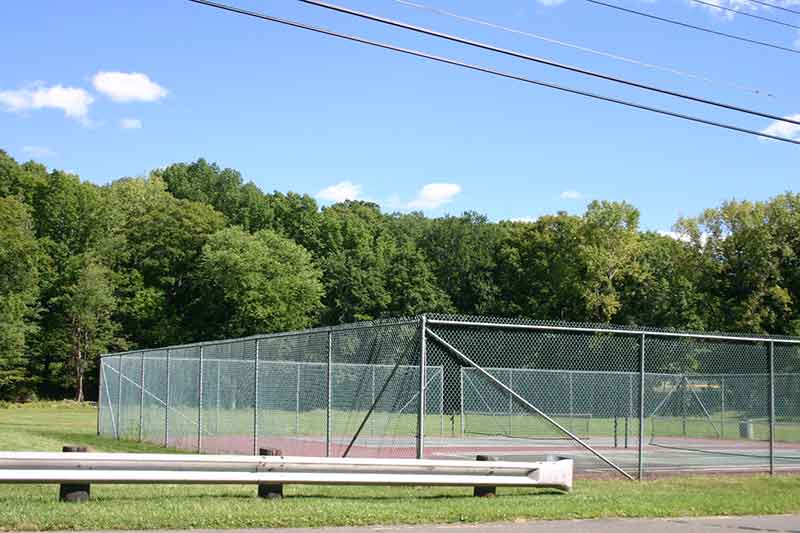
<point>692,26</point>
<point>746,14</point>
<point>543,61</point>
<point>774,6</point>
<point>487,70</point>
<point>633,61</point>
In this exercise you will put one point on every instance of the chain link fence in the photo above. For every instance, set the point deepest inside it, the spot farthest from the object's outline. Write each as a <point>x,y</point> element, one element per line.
<point>631,401</point>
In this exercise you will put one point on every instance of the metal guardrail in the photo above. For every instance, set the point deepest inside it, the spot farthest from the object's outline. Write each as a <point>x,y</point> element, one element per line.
<point>44,467</point>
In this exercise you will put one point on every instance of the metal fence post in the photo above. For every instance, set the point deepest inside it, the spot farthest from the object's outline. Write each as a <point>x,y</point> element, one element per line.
<point>219,372</point>
<point>119,396</point>
<point>297,403</point>
<point>141,397</point>
<point>461,403</point>
<point>101,371</point>
<point>771,407</point>
<point>166,404</point>
<point>372,401</point>
<point>255,401</point>
<point>200,403</point>
<point>422,386</point>
<point>441,400</point>
<point>328,407</point>
<point>722,429</point>
<point>641,407</point>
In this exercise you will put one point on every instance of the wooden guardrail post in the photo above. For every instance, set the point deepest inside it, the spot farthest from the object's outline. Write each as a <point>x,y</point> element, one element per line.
<point>74,492</point>
<point>270,491</point>
<point>484,491</point>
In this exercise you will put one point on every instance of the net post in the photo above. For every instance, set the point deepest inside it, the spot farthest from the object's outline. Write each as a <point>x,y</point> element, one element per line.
<point>571,401</point>
<point>200,403</point>
<point>166,403</point>
<point>255,401</point>
<point>771,407</point>
<point>141,395</point>
<point>422,386</point>
<point>119,396</point>
<point>328,406</point>
<point>641,406</point>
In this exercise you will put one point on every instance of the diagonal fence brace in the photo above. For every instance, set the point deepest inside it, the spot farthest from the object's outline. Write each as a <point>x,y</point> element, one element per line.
<point>526,403</point>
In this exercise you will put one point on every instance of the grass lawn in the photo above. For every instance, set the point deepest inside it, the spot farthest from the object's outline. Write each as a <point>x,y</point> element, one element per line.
<point>46,427</point>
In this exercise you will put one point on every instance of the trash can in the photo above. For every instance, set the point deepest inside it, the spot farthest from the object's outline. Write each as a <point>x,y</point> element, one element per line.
<point>746,428</point>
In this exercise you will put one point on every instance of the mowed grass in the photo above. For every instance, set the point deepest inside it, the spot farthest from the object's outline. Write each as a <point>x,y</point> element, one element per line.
<point>46,427</point>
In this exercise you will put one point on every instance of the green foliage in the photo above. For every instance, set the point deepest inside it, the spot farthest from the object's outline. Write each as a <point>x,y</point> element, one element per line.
<point>20,256</point>
<point>257,283</point>
<point>194,252</point>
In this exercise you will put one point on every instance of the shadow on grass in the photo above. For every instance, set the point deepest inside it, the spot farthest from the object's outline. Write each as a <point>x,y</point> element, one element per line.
<point>77,438</point>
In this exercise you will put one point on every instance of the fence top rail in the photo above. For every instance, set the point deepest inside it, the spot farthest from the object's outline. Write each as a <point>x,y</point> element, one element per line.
<point>613,331</point>
<point>687,375</point>
<point>268,362</point>
<point>269,336</point>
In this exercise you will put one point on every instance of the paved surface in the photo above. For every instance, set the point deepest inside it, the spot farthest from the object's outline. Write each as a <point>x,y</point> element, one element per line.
<point>777,524</point>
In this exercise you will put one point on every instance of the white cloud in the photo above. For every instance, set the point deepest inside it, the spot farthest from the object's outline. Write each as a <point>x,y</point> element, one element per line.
<point>675,235</point>
<point>551,3</point>
<point>130,123</point>
<point>570,194</point>
<point>344,190</point>
<point>74,102</point>
<point>683,237</point>
<point>524,219</point>
<point>784,129</point>
<point>38,151</point>
<point>434,195</point>
<point>128,86</point>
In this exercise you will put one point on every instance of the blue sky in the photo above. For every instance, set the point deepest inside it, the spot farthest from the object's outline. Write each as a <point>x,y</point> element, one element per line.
<point>298,111</point>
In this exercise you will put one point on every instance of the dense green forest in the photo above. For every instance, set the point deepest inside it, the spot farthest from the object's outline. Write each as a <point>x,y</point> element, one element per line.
<point>192,252</point>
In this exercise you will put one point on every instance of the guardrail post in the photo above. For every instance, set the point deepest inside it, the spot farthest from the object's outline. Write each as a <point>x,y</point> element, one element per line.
<point>74,492</point>
<point>771,407</point>
<point>272,491</point>
<point>641,407</point>
<point>422,386</point>
<point>484,491</point>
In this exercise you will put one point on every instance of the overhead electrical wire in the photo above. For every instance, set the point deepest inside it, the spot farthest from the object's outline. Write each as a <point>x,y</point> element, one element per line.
<point>630,60</point>
<point>543,61</point>
<point>487,70</point>
<point>774,6</point>
<point>693,27</point>
<point>746,14</point>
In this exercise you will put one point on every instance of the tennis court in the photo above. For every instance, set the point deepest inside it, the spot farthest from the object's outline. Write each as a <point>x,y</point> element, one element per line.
<point>439,386</point>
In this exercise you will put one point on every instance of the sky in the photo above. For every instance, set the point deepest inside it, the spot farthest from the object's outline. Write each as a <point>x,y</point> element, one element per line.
<point>114,89</point>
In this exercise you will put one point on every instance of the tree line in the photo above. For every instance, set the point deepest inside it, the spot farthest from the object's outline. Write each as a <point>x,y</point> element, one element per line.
<point>193,252</point>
